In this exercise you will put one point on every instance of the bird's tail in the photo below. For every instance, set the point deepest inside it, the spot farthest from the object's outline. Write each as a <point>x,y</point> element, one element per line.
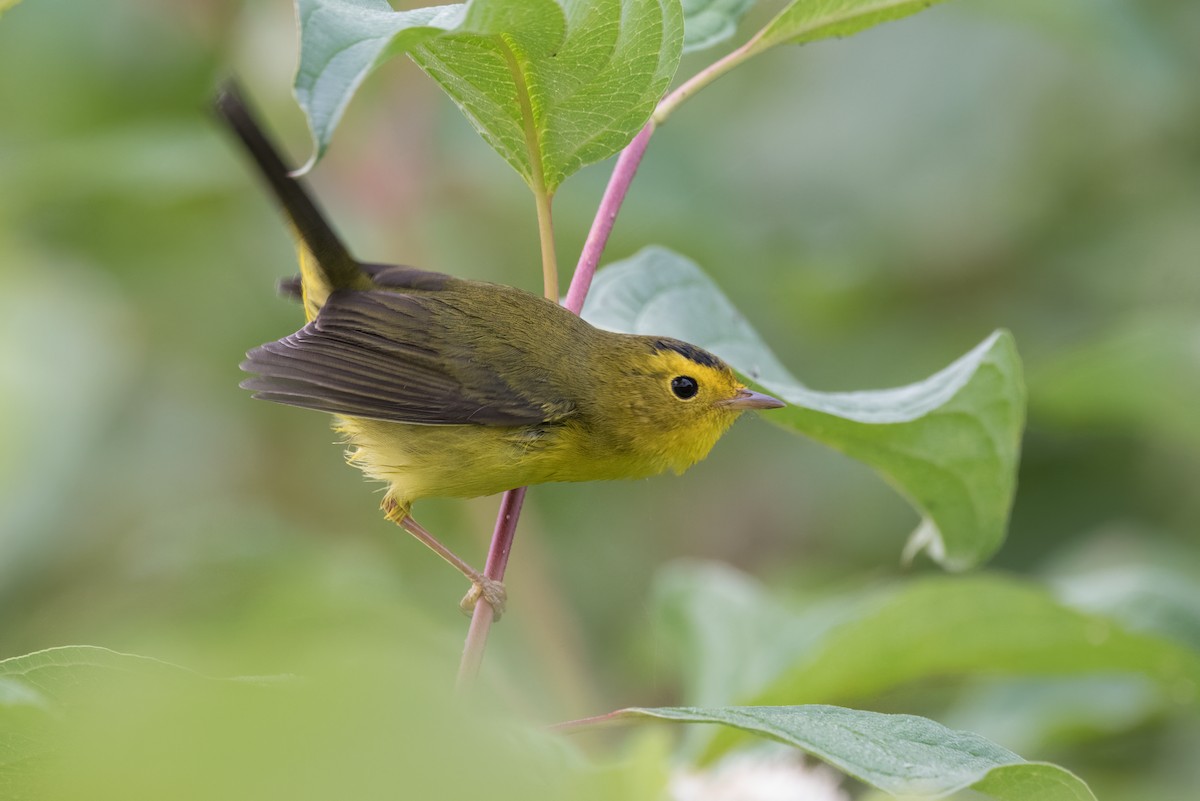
<point>325,263</point>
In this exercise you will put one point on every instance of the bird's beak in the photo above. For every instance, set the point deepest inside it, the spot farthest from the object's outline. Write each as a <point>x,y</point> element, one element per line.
<point>749,399</point>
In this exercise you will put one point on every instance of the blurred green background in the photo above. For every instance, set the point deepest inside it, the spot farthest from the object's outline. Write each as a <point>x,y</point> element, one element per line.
<point>876,206</point>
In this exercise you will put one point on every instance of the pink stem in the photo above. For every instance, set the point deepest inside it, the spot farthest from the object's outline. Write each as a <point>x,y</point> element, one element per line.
<point>497,561</point>
<point>510,505</point>
<point>606,215</point>
<point>581,282</point>
<point>572,725</point>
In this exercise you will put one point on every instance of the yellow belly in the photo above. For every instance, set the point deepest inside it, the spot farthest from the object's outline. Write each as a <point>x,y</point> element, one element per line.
<point>420,461</point>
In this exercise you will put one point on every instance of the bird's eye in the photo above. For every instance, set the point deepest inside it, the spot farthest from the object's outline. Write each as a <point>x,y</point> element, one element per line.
<point>684,387</point>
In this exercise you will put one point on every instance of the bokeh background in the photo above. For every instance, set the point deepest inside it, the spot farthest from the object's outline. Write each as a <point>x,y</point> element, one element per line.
<point>876,206</point>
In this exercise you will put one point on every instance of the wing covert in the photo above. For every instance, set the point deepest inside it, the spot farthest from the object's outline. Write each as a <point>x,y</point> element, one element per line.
<point>396,357</point>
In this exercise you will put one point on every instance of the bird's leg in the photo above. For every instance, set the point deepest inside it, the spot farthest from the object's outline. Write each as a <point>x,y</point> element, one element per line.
<point>483,587</point>
<point>488,589</point>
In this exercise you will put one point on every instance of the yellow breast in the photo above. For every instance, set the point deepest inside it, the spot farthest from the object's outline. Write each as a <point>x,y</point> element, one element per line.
<point>418,461</point>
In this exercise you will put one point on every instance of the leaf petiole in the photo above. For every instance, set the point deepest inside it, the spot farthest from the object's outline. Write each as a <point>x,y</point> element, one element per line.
<point>700,80</point>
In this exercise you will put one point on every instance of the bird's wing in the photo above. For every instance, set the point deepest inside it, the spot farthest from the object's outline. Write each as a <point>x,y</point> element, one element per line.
<point>390,356</point>
<point>385,276</point>
<point>402,277</point>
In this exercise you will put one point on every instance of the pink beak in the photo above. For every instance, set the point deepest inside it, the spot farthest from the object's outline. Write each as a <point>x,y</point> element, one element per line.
<point>749,399</point>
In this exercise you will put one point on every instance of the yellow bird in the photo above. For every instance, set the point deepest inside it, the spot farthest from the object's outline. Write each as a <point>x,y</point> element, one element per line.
<point>444,387</point>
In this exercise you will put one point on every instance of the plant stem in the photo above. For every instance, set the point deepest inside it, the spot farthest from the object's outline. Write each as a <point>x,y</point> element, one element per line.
<point>627,166</point>
<point>510,505</point>
<point>700,80</point>
<point>537,176</point>
<point>546,238</point>
<point>607,717</point>
<point>497,561</point>
<point>606,215</point>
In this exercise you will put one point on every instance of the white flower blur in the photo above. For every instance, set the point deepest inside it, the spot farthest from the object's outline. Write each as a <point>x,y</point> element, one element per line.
<point>759,776</point>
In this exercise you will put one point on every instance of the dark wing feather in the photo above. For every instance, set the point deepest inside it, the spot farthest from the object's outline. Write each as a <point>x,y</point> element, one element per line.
<point>401,276</point>
<point>390,356</point>
<point>386,276</point>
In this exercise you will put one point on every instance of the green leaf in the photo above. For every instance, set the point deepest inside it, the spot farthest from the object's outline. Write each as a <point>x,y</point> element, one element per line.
<point>56,675</point>
<point>1033,781</point>
<point>899,754</point>
<point>977,625</point>
<point>42,691</point>
<point>551,106</point>
<point>950,443</point>
<point>1055,712</point>
<point>710,22</point>
<point>343,41</point>
<point>122,727</point>
<point>859,645</point>
<point>1156,592</point>
<point>943,626</point>
<point>728,636</point>
<point>551,87</point>
<point>5,5</point>
<point>809,20</point>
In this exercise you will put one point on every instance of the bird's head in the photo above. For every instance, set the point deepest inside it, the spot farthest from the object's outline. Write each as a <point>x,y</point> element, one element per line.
<point>676,400</point>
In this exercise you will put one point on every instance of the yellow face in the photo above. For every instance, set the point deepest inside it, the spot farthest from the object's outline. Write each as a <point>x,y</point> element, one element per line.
<point>676,401</point>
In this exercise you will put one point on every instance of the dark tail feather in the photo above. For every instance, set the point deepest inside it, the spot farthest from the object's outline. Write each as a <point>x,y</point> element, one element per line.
<point>341,270</point>
<point>291,288</point>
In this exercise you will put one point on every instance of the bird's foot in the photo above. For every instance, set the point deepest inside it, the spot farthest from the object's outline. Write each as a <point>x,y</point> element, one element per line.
<point>393,511</point>
<point>489,590</point>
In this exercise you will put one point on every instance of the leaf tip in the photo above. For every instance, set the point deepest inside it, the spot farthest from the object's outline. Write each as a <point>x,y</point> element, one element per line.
<point>925,537</point>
